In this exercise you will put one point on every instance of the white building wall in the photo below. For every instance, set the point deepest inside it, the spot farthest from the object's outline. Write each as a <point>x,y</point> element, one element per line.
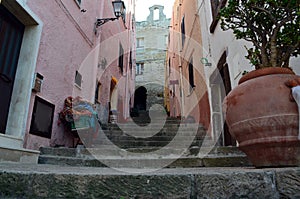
<point>218,42</point>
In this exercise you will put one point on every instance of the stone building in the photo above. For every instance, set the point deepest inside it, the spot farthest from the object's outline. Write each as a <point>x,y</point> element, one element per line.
<point>53,50</point>
<point>151,43</point>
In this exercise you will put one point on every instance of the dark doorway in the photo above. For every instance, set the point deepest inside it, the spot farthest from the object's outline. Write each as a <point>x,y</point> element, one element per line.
<point>113,102</point>
<point>11,35</point>
<point>224,73</point>
<point>140,98</point>
<point>220,87</point>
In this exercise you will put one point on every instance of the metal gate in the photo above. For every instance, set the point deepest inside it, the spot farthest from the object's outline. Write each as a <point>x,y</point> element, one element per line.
<point>11,35</point>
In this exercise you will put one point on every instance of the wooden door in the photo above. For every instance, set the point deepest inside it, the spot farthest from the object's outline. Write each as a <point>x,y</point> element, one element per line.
<point>11,35</point>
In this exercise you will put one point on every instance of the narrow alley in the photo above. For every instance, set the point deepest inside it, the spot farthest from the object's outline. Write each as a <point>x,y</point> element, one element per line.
<point>149,99</point>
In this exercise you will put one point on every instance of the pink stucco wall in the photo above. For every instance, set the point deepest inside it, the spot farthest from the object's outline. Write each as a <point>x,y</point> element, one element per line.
<point>68,41</point>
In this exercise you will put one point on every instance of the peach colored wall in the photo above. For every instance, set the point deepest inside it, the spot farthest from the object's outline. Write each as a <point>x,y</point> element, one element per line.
<point>192,103</point>
<point>68,44</point>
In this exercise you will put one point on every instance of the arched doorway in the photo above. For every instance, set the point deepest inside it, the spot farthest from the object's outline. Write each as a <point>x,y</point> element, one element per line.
<point>140,98</point>
<point>113,105</point>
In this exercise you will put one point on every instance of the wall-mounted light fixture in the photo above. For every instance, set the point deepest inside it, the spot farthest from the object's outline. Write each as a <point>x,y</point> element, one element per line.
<point>205,62</point>
<point>119,10</point>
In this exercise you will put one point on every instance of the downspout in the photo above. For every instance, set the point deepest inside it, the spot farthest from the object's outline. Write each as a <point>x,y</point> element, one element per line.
<point>127,71</point>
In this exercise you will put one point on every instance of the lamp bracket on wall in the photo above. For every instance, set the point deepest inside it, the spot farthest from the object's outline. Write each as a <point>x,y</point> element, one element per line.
<point>119,11</point>
<point>100,22</point>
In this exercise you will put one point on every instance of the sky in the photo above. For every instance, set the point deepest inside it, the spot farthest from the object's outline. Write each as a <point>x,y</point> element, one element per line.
<point>142,8</point>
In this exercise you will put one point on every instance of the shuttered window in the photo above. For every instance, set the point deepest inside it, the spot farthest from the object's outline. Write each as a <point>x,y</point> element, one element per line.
<point>191,75</point>
<point>216,6</point>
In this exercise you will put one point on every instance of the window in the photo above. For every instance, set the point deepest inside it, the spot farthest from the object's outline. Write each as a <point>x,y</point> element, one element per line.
<point>139,68</point>
<point>42,118</point>
<point>167,40</point>
<point>140,42</point>
<point>121,58</point>
<point>156,14</point>
<point>78,79</point>
<point>191,75</point>
<point>78,2</point>
<point>130,61</point>
<point>98,92</point>
<point>216,6</point>
<point>182,32</point>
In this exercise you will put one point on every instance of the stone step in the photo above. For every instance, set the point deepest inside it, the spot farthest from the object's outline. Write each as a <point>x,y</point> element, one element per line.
<point>144,158</point>
<point>52,181</point>
<point>18,155</point>
<point>153,132</point>
<point>111,151</point>
<point>143,137</point>
<point>140,135</point>
<point>153,138</point>
<point>147,122</point>
<point>141,144</point>
<point>149,162</point>
<point>156,127</point>
<point>125,144</point>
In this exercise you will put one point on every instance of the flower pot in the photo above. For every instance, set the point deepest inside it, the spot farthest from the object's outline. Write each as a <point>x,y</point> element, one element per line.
<point>263,119</point>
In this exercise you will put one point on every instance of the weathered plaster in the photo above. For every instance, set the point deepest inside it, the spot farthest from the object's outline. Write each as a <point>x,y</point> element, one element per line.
<point>60,39</point>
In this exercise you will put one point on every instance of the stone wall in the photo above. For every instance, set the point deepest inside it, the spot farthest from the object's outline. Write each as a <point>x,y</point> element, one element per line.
<point>48,181</point>
<point>151,53</point>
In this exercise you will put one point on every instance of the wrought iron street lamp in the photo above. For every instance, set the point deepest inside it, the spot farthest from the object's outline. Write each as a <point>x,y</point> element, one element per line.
<point>119,10</point>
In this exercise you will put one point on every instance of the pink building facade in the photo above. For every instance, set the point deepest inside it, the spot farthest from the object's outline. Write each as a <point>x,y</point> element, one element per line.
<point>59,52</point>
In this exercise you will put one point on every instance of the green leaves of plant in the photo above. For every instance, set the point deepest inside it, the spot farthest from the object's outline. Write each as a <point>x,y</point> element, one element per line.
<point>259,21</point>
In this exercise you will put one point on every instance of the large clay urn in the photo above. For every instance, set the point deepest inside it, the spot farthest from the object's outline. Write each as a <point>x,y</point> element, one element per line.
<point>263,118</point>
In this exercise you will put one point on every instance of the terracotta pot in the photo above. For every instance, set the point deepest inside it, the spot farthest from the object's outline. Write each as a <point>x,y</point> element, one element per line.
<point>264,120</point>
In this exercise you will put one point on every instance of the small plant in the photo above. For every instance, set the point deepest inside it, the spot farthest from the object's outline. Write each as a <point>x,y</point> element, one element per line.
<point>273,27</point>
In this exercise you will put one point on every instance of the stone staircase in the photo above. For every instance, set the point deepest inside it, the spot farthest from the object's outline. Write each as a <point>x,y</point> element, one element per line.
<point>144,144</point>
<point>137,135</point>
<point>54,181</point>
<point>90,157</point>
<point>125,162</point>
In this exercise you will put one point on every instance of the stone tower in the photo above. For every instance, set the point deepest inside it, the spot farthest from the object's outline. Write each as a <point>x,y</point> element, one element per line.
<point>152,41</point>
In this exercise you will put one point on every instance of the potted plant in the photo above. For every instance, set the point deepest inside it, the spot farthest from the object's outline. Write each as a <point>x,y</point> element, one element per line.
<point>259,111</point>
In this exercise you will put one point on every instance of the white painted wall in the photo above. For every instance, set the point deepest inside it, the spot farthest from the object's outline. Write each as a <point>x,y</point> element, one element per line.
<point>214,44</point>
